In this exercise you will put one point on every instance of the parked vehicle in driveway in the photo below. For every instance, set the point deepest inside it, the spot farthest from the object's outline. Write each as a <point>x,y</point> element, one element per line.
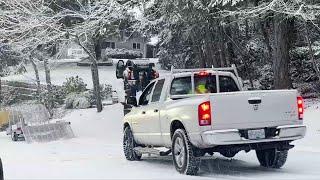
<point>199,111</point>
<point>136,75</point>
<point>115,97</point>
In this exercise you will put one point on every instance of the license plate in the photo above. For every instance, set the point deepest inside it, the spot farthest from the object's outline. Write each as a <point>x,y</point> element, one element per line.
<point>256,134</point>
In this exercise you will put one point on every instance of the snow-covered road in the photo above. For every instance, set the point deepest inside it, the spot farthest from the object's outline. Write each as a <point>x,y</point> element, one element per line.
<point>96,152</point>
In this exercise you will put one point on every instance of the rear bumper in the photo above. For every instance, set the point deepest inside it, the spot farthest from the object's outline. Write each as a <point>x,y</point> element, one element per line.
<point>209,139</point>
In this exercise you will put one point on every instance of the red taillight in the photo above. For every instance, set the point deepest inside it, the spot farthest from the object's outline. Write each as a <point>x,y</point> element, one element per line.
<point>203,73</point>
<point>300,107</point>
<point>204,114</point>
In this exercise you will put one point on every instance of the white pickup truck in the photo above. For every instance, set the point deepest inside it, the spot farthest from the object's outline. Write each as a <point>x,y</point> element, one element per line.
<point>198,112</point>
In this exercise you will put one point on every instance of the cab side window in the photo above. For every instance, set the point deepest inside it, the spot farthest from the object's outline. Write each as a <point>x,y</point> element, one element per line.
<point>146,95</point>
<point>227,84</point>
<point>157,91</point>
<point>181,86</point>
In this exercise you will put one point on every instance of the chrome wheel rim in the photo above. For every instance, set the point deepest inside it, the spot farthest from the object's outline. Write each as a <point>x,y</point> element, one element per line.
<point>179,152</point>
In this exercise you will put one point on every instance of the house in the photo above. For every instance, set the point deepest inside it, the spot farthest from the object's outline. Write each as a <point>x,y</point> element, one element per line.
<point>133,44</point>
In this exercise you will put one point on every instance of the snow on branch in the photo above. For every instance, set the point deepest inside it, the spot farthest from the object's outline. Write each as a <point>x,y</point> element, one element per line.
<point>293,8</point>
<point>26,24</point>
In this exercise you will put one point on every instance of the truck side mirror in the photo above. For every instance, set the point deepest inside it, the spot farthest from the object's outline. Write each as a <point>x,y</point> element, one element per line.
<point>132,101</point>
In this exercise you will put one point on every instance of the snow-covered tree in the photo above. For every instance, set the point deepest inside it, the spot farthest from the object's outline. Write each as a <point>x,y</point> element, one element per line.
<point>38,26</point>
<point>252,34</point>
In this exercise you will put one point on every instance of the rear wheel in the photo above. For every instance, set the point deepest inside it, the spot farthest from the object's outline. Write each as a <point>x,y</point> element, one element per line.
<point>1,170</point>
<point>184,154</point>
<point>128,146</point>
<point>272,158</point>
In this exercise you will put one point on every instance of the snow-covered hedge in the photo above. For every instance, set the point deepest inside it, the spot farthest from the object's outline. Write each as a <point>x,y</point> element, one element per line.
<point>122,53</point>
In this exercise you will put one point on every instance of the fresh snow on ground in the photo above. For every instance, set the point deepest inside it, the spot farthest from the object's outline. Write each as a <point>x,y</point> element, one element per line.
<point>96,152</point>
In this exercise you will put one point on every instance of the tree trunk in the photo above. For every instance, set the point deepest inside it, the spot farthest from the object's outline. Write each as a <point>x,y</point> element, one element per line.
<point>95,76</point>
<point>96,85</point>
<point>281,58</point>
<point>49,86</point>
<point>222,51</point>
<point>36,72</point>
<point>95,72</point>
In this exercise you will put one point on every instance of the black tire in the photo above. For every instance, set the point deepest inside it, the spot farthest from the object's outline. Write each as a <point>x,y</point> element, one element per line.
<point>272,158</point>
<point>128,146</point>
<point>1,170</point>
<point>191,163</point>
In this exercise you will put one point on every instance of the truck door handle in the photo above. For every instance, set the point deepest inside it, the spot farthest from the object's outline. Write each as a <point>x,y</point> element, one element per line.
<point>156,110</point>
<point>143,112</point>
<point>254,100</point>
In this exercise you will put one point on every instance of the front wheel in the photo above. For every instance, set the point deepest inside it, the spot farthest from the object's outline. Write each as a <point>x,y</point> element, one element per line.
<point>184,154</point>
<point>1,170</point>
<point>272,158</point>
<point>128,146</point>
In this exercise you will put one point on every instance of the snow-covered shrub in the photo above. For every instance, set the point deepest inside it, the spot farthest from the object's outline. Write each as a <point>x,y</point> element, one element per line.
<point>122,53</point>
<point>105,90</point>
<point>303,75</point>
<point>8,59</point>
<point>74,85</point>
<point>58,96</point>
<point>9,97</point>
<point>308,90</point>
<point>78,100</point>
<point>266,78</point>
<point>81,100</point>
<point>301,66</point>
<point>258,49</point>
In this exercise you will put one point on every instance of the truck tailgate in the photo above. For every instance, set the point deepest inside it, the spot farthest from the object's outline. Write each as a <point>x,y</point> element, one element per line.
<point>254,109</point>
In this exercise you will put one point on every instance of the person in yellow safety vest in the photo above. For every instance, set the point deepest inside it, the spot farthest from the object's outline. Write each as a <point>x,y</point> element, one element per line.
<point>201,89</point>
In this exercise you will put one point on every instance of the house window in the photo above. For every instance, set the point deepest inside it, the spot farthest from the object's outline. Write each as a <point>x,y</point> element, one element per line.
<point>136,46</point>
<point>111,45</point>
